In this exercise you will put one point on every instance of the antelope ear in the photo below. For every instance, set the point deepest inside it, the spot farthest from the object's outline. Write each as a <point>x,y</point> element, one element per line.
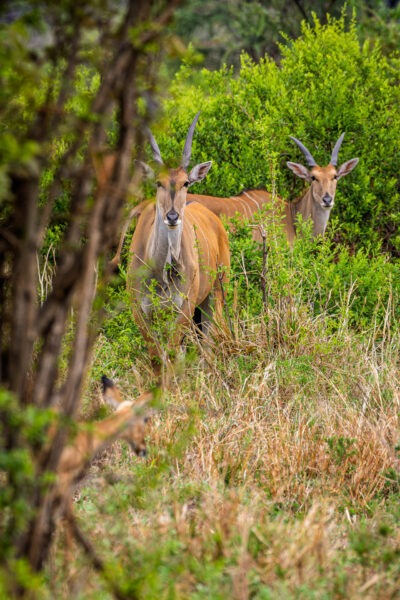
<point>299,170</point>
<point>111,393</point>
<point>347,167</point>
<point>199,172</point>
<point>145,170</point>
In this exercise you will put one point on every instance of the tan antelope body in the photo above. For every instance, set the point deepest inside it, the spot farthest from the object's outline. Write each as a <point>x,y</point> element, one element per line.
<point>127,423</point>
<point>243,206</point>
<point>176,253</point>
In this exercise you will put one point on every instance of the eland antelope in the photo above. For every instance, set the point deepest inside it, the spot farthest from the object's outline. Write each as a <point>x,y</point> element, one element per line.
<point>179,255</point>
<point>316,203</point>
<point>318,200</point>
<point>128,422</point>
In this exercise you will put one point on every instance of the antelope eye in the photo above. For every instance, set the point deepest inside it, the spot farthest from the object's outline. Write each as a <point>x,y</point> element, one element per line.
<point>186,184</point>
<point>158,184</point>
<point>313,178</point>
<point>335,176</point>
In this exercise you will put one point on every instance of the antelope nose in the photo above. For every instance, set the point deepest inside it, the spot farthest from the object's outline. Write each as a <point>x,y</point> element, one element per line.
<point>327,200</point>
<point>172,218</point>
<point>138,450</point>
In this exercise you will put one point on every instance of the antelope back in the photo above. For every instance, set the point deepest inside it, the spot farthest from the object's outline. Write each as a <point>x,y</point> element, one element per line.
<point>244,204</point>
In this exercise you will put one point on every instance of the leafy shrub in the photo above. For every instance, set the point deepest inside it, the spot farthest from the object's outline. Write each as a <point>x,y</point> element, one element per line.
<point>17,467</point>
<point>359,290</point>
<point>120,341</point>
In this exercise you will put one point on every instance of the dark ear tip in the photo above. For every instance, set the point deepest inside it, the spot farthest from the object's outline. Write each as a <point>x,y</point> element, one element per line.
<point>106,382</point>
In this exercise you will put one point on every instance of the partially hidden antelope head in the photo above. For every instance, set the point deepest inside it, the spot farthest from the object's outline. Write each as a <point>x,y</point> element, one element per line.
<point>176,253</point>
<point>318,200</point>
<point>128,422</point>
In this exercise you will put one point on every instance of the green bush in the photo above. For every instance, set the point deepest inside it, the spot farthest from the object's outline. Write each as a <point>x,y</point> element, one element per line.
<point>326,83</point>
<point>358,289</point>
<point>17,466</point>
<point>120,341</point>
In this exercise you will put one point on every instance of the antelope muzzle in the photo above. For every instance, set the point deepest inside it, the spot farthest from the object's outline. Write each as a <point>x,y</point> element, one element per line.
<point>172,218</point>
<point>327,201</point>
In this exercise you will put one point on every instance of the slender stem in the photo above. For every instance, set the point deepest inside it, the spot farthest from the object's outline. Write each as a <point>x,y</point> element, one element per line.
<point>224,303</point>
<point>263,275</point>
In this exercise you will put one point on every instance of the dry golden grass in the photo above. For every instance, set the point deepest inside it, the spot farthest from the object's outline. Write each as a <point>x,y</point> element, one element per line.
<point>272,473</point>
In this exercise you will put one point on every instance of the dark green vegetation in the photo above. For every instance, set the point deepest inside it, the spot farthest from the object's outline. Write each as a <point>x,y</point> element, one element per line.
<point>220,31</point>
<point>274,453</point>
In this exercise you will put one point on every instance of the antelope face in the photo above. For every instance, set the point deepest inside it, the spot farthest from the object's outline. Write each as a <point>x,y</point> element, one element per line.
<point>323,179</point>
<point>323,186</point>
<point>135,435</point>
<point>136,424</point>
<point>172,184</point>
<point>171,196</point>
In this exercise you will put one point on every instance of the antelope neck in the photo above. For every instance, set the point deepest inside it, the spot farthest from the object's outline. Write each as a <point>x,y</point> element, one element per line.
<point>310,209</point>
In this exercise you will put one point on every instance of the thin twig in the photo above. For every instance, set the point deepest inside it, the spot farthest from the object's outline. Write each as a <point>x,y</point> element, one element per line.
<point>224,303</point>
<point>263,275</point>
